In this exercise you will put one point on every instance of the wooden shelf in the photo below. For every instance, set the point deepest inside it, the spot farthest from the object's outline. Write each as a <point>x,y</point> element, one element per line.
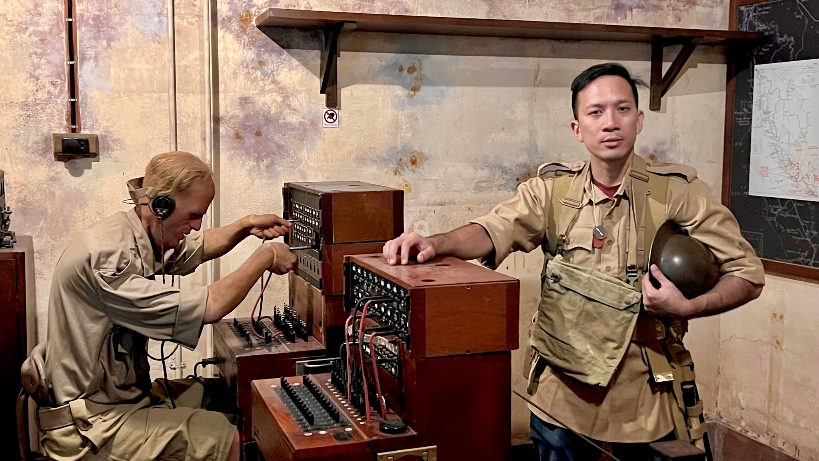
<point>334,23</point>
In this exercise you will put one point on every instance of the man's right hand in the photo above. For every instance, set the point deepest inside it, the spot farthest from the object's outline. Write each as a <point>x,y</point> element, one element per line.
<point>408,245</point>
<point>284,260</point>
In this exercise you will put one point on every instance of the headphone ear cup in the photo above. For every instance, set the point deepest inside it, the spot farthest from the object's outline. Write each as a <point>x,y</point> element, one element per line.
<point>162,206</point>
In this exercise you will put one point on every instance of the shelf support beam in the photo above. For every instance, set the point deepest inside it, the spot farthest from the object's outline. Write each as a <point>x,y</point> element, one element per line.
<point>660,83</point>
<point>329,62</point>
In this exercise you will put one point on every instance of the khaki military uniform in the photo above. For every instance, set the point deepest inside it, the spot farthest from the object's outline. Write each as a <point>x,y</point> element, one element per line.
<point>104,305</point>
<point>631,408</point>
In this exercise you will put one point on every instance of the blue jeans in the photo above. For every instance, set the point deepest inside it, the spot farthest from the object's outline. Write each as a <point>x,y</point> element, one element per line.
<point>553,443</point>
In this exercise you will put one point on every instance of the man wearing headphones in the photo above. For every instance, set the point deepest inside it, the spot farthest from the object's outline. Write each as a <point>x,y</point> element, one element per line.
<point>106,301</point>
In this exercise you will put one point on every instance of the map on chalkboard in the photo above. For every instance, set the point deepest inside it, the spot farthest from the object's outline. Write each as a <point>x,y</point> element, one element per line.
<point>780,227</point>
<point>785,131</point>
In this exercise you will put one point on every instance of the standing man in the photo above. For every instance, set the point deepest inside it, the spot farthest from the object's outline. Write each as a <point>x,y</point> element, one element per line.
<point>595,366</point>
<point>107,299</point>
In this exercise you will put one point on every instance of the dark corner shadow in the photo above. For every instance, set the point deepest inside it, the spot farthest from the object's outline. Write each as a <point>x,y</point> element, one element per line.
<point>77,167</point>
<point>305,47</point>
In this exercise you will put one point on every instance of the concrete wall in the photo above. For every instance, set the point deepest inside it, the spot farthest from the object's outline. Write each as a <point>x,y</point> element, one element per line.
<point>455,127</point>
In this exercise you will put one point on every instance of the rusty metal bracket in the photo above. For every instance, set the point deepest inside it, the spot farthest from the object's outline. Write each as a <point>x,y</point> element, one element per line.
<point>660,83</point>
<point>329,62</point>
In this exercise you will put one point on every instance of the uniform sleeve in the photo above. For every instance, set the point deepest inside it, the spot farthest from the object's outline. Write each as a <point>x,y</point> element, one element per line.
<point>517,224</point>
<point>692,206</point>
<point>152,308</point>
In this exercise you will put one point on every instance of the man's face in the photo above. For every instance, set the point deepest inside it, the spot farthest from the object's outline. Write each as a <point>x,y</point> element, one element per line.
<point>191,206</point>
<point>608,120</point>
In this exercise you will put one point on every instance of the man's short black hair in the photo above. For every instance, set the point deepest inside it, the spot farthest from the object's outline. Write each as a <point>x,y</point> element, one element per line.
<point>600,70</point>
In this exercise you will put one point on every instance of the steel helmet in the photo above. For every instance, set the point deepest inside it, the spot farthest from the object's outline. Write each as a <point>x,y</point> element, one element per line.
<point>684,260</point>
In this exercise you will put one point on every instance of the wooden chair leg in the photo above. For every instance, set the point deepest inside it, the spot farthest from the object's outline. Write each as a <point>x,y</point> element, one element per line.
<point>23,442</point>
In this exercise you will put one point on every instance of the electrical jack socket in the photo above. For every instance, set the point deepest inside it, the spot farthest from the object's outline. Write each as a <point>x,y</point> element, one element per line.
<point>72,146</point>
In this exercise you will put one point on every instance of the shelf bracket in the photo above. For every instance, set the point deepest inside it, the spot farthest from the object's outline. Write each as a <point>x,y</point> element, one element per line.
<point>329,62</point>
<point>660,83</point>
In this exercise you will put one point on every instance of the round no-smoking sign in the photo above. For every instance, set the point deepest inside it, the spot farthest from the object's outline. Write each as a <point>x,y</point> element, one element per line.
<point>330,118</point>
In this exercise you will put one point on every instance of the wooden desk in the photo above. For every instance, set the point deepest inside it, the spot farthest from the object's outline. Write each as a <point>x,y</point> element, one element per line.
<point>16,291</point>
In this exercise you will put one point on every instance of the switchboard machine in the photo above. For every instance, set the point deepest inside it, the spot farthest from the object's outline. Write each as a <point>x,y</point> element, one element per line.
<point>329,221</point>
<point>336,218</point>
<point>248,350</point>
<point>425,366</point>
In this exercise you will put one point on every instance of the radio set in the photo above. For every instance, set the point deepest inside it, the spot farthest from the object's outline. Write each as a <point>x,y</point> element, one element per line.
<point>424,370</point>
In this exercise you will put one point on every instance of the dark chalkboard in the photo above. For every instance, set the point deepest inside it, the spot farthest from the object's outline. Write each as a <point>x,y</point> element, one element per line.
<point>784,232</point>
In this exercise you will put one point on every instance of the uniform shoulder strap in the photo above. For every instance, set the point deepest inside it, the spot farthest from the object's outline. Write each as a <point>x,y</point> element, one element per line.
<point>659,174</point>
<point>562,174</point>
<point>675,171</point>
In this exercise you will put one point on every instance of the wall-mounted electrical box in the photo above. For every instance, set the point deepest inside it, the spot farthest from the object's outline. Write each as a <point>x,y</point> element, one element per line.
<point>72,146</point>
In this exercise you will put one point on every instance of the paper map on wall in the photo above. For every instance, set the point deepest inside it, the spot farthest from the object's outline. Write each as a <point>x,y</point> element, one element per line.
<point>785,131</point>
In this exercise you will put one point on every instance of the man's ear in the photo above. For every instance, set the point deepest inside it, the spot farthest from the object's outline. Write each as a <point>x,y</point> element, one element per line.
<point>640,117</point>
<point>575,126</point>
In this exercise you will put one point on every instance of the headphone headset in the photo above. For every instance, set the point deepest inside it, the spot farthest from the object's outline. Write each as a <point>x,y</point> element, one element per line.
<point>161,205</point>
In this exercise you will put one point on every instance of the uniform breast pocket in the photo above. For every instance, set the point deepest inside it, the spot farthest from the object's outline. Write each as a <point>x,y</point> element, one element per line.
<point>578,242</point>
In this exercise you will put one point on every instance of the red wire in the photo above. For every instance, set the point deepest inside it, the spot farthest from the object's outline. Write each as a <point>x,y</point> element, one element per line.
<point>261,292</point>
<point>377,381</point>
<point>349,357</point>
<point>361,358</point>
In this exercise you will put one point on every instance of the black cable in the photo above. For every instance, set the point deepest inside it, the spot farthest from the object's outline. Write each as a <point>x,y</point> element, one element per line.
<point>163,357</point>
<point>204,363</point>
<point>165,373</point>
<point>162,248</point>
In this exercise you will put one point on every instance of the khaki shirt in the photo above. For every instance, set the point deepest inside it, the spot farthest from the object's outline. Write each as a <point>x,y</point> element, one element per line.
<point>631,408</point>
<point>105,303</point>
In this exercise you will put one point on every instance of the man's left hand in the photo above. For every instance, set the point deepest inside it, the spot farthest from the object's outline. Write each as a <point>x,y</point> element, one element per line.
<point>666,301</point>
<point>268,226</point>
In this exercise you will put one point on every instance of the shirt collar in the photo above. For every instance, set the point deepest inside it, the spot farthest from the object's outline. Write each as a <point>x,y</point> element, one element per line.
<point>143,243</point>
<point>599,195</point>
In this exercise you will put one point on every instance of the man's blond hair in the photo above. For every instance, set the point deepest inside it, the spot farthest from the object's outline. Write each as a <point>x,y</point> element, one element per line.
<point>173,172</point>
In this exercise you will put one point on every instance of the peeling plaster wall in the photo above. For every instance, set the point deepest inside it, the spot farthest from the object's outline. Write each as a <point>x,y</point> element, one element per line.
<point>455,122</point>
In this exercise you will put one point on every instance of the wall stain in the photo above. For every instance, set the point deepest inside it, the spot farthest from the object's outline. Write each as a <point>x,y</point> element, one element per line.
<point>278,138</point>
<point>404,185</point>
<point>663,151</point>
<point>246,21</point>
<point>415,70</point>
<point>413,162</point>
